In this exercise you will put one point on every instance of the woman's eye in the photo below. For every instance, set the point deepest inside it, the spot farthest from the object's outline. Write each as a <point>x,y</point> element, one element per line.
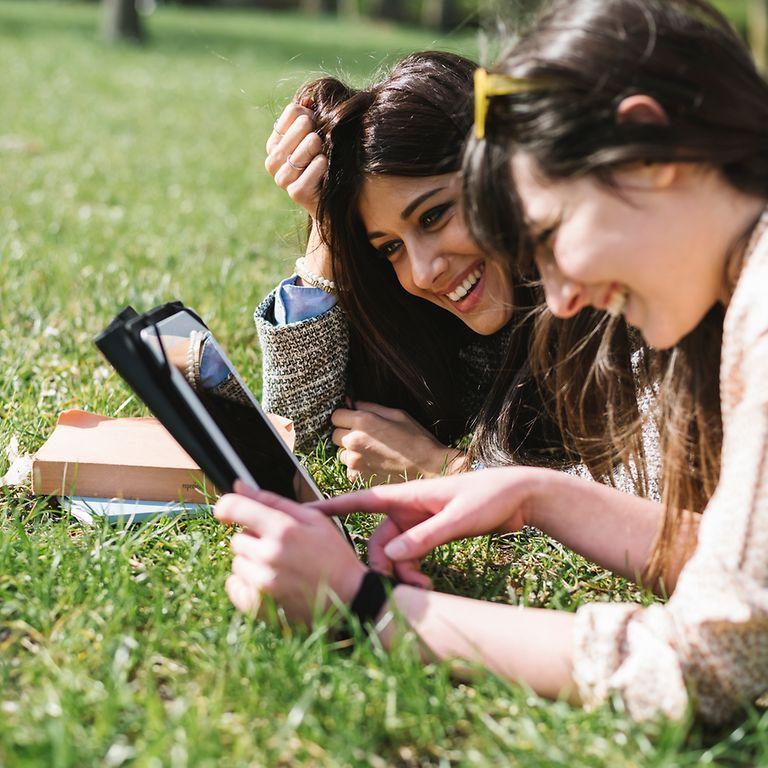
<point>388,250</point>
<point>433,215</point>
<point>545,237</point>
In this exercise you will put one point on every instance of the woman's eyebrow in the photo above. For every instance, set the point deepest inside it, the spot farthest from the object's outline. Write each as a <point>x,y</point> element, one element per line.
<point>416,202</point>
<point>409,209</point>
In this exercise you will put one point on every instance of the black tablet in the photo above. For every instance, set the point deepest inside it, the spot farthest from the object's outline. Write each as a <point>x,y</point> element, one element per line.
<point>219,422</point>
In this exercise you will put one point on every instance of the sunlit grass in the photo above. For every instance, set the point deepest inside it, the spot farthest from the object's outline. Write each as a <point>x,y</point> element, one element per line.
<point>135,176</point>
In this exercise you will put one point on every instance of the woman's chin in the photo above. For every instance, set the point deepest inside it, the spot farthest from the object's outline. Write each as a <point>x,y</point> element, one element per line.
<point>488,322</point>
<point>658,337</point>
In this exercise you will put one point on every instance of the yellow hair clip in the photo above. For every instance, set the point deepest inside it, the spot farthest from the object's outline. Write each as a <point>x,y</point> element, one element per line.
<point>488,85</point>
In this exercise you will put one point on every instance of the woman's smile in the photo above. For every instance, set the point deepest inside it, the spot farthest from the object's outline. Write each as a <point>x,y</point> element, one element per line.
<point>466,292</point>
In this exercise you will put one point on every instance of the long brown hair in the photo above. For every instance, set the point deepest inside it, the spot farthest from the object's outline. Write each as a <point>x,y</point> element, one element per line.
<point>684,54</point>
<point>405,351</point>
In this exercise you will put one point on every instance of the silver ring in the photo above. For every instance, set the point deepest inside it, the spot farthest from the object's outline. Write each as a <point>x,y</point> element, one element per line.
<point>276,130</point>
<point>296,167</point>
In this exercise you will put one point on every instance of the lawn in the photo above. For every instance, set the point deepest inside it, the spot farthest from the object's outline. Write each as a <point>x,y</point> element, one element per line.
<point>135,176</point>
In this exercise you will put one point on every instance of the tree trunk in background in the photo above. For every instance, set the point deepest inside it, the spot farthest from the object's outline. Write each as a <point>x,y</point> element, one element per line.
<point>121,21</point>
<point>758,32</point>
<point>387,9</point>
<point>318,6</point>
<point>349,8</point>
<point>438,14</point>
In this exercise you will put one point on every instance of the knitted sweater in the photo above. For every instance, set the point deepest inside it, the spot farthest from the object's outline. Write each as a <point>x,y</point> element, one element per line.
<point>305,369</point>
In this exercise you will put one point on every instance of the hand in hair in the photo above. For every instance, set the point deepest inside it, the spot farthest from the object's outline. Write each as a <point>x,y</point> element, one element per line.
<point>425,514</point>
<point>382,445</point>
<point>295,157</point>
<point>296,161</point>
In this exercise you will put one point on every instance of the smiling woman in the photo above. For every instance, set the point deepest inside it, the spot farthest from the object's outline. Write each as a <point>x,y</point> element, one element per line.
<point>396,325</point>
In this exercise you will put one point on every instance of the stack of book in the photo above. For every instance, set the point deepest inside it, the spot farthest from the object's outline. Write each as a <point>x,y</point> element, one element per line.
<point>122,469</point>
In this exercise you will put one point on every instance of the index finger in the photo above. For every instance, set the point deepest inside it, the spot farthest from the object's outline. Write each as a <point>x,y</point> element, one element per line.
<point>391,414</point>
<point>419,494</point>
<point>287,118</point>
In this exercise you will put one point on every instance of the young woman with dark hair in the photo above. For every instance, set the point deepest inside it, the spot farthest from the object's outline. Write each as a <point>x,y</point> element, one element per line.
<point>399,310</point>
<point>403,311</point>
<point>629,138</point>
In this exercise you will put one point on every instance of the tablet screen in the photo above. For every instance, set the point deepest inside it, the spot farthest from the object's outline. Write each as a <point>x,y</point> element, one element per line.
<point>230,404</point>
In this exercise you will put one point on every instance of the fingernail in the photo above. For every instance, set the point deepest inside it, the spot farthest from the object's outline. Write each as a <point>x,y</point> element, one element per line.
<point>396,549</point>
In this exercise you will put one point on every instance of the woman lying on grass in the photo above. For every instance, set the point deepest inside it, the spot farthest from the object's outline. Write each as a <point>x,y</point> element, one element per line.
<point>395,305</point>
<point>634,135</point>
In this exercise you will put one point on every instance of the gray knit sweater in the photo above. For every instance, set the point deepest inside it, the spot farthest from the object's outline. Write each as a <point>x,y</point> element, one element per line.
<point>305,369</point>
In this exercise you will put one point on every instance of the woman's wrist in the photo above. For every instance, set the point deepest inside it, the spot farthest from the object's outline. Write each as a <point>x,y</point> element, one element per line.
<point>531,491</point>
<point>317,257</point>
<point>310,278</point>
<point>385,625</point>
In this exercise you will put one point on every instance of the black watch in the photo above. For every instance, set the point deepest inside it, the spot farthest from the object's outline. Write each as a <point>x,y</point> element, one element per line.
<point>373,592</point>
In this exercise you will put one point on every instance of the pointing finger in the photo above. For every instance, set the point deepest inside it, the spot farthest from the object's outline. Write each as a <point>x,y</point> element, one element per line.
<point>427,496</point>
<point>420,540</point>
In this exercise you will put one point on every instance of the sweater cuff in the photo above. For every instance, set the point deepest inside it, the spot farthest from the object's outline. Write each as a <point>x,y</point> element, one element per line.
<point>626,650</point>
<point>295,342</point>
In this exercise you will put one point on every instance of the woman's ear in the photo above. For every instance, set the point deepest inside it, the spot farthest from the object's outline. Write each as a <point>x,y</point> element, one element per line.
<point>645,110</point>
<point>642,110</point>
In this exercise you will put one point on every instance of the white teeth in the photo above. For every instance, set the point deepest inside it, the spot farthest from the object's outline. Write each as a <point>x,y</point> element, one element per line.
<point>462,290</point>
<point>617,303</point>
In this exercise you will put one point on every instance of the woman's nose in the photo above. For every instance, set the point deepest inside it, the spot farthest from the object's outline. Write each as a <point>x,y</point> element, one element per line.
<point>427,264</point>
<point>564,297</point>
<point>566,300</point>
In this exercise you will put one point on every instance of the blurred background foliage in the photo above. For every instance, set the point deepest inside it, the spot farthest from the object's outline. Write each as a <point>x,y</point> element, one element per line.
<point>123,17</point>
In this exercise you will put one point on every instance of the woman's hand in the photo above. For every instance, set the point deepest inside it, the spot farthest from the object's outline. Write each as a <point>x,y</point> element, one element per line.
<point>384,445</point>
<point>424,514</point>
<point>296,161</point>
<point>295,156</point>
<point>289,551</point>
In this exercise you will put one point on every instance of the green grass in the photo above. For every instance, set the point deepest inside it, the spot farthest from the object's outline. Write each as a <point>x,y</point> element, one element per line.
<point>136,176</point>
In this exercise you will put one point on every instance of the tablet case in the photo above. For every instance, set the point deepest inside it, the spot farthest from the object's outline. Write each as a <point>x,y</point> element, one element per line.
<point>190,424</point>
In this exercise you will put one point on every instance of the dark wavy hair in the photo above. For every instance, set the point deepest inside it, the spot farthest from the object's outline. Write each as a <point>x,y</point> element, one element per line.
<point>405,351</point>
<point>595,53</point>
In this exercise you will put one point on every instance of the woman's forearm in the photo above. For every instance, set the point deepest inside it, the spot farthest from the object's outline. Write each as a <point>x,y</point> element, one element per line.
<point>614,529</point>
<point>526,645</point>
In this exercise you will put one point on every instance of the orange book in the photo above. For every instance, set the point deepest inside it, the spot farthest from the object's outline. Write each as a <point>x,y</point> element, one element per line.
<point>130,458</point>
<point>127,458</point>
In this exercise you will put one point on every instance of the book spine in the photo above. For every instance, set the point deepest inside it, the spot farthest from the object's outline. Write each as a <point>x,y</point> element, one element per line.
<point>58,478</point>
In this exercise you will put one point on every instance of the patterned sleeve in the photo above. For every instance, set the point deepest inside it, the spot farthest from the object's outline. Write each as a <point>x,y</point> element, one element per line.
<point>708,646</point>
<point>305,368</point>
